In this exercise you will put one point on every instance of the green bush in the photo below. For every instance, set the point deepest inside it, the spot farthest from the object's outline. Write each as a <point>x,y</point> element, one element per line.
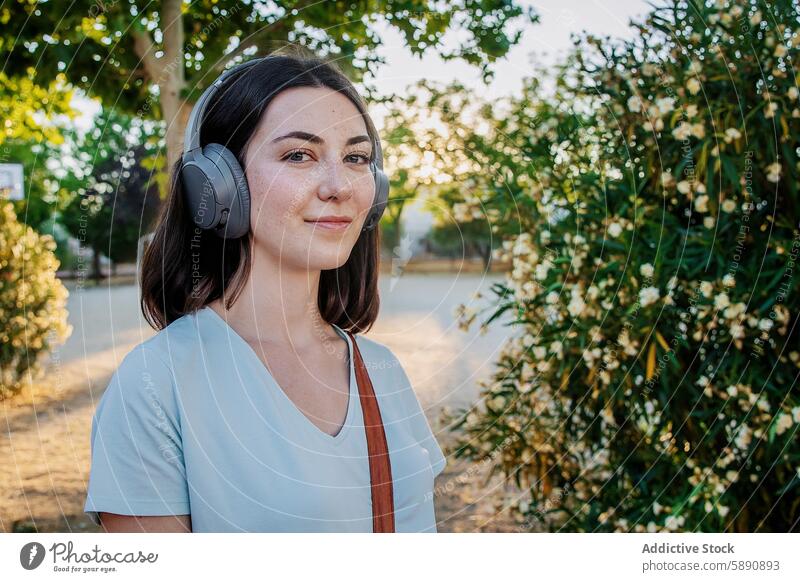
<point>654,232</point>
<point>32,301</point>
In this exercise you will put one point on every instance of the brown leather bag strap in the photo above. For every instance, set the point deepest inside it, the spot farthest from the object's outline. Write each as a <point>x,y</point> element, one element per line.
<point>380,467</point>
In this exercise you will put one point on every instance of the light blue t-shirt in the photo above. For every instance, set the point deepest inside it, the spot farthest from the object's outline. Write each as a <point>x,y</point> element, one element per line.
<point>193,423</point>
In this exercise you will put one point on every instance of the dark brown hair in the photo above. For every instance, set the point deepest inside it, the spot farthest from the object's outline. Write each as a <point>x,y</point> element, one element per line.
<point>184,267</point>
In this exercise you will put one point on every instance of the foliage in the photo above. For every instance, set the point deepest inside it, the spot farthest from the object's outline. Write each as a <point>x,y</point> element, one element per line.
<point>115,196</point>
<point>32,301</point>
<point>32,112</point>
<point>655,280</point>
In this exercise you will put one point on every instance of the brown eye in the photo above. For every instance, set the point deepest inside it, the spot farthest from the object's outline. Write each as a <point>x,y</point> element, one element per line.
<point>364,158</point>
<point>295,153</point>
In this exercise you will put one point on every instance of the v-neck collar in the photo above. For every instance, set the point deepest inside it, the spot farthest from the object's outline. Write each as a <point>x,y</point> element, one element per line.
<point>352,388</point>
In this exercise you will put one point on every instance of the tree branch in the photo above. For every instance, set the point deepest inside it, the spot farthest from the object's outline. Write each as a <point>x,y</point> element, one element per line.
<point>145,49</point>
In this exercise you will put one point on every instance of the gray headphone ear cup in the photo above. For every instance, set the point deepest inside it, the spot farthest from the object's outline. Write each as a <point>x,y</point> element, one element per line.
<point>234,194</point>
<point>381,198</point>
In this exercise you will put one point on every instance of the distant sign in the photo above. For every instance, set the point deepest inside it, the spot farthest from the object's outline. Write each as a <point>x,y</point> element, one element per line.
<point>11,181</point>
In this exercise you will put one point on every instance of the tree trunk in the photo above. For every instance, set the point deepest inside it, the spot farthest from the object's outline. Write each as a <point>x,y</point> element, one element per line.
<point>97,273</point>
<point>168,73</point>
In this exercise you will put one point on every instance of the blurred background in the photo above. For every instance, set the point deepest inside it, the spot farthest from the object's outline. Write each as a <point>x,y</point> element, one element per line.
<point>589,257</point>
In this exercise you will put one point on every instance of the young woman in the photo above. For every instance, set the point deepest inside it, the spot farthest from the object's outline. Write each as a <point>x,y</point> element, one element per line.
<point>243,412</point>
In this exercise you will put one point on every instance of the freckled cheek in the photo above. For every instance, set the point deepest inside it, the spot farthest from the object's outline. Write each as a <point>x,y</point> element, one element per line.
<point>278,196</point>
<point>366,196</point>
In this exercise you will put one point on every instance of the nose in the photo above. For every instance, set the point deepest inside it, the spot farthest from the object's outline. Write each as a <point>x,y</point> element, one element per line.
<point>335,183</point>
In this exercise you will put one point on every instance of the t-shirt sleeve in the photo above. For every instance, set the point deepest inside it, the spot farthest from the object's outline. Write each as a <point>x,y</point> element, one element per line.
<point>419,423</point>
<point>137,465</point>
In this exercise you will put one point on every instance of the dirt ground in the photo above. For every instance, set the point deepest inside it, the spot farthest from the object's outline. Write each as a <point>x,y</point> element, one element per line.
<point>45,459</point>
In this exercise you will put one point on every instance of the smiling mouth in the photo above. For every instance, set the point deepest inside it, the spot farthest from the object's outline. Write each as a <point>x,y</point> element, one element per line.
<point>329,224</point>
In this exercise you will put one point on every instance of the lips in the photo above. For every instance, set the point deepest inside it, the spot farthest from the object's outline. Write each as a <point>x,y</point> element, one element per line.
<point>330,223</point>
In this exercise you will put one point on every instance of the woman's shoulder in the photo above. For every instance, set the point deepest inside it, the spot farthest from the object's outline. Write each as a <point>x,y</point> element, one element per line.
<point>173,341</point>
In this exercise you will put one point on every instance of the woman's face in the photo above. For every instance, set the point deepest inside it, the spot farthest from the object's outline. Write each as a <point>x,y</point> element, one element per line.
<point>309,158</point>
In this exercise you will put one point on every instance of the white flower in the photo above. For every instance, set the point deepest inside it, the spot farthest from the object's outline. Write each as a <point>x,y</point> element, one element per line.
<point>721,301</point>
<point>691,111</point>
<point>653,127</point>
<point>684,187</point>
<point>728,205</point>
<point>774,172</point>
<point>576,305</point>
<point>693,85</point>
<point>701,203</point>
<point>793,93</point>
<point>729,280</point>
<point>731,134</point>
<point>698,130</point>
<point>614,229</point>
<point>635,104</point>
<point>539,352</point>
<point>723,510</point>
<point>770,109</point>
<point>672,283</point>
<point>667,180</point>
<point>755,19</point>
<point>765,324</point>
<point>737,331</point>
<point>682,131</point>
<point>665,104</point>
<point>780,50</point>
<point>784,423</point>
<point>708,222</point>
<point>706,288</point>
<point>541,270</point>
<point>649,295</point>
<point>646,270</point>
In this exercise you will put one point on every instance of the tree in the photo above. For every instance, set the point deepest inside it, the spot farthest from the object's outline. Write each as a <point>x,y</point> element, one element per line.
<point>35,120</point>
<point>115,196</point>
<point>154,59</point>
<point>652,386</point>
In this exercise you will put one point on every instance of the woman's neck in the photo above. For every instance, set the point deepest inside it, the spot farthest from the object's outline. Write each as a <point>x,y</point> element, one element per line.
<point>278,306</point>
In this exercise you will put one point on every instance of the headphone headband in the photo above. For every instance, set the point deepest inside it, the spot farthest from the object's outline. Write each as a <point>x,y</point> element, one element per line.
<point>191,140</point>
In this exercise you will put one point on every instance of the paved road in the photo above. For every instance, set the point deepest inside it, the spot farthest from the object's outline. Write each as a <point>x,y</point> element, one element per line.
<point>416,321</point>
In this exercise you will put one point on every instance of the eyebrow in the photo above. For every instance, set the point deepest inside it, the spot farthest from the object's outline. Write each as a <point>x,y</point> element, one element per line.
<point>304,135</point>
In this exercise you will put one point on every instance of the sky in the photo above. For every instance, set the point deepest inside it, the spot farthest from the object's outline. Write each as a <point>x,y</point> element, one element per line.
<point>543,42</point>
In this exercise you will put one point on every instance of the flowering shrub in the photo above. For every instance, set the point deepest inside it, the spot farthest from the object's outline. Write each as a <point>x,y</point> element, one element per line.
<point>653,225</point>
<point>32,300</point>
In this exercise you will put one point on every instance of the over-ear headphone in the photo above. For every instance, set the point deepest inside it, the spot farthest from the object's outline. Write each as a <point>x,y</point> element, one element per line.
<point>214,183</point>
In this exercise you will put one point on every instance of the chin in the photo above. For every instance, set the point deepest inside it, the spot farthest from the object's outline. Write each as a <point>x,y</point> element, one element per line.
<point>326,256</point>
